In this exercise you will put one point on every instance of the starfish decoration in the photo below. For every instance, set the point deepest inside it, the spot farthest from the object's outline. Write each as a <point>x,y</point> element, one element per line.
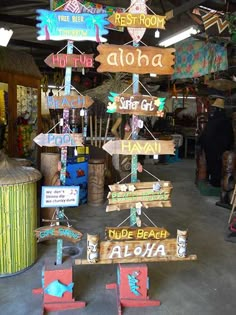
<point>156,186</point>
<point>131,188</point>
<point>123,188</point>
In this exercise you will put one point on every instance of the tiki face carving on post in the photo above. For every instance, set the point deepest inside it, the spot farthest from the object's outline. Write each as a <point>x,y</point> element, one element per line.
<point>92,248</point>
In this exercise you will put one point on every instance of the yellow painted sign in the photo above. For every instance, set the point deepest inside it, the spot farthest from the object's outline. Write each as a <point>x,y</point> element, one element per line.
<point>128,233</point>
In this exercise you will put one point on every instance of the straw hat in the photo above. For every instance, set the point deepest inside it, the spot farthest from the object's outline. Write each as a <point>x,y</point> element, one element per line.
<point>219,102</point>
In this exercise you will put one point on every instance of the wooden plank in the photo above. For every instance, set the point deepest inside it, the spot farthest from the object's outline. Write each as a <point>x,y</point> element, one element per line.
<point>129,233</point>
<point>73,60</point>
<point>69,101</point>
<point>144,105</point>
<point>59,140</point>
<point>139,60</point>
<point>141,192</point>
<point>58,232</point>
<point>143,198</point>
<point>137,260</point>
<point>139,147</point>
<point>138,20</point>
<point>165,185</point>
<point>145,204</point>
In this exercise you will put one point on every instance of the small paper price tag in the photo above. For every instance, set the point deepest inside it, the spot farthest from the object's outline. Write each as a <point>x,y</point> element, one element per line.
<point>140,123</point>
<point>155,157</point>
<point>61,122</point>
<point>81,112</point>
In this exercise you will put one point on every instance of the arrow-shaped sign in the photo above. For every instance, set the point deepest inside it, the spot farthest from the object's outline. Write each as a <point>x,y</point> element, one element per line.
<point>59,140</point>
<point>69,101</point>
<point>73,60</point>
<point>139,147</point>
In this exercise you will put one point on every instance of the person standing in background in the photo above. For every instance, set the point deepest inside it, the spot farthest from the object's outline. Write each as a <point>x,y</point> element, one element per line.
<point>216,138</point>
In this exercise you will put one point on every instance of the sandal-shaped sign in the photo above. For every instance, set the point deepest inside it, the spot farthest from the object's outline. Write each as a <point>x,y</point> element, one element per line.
<point>140,60</point>
<point>144,105</point>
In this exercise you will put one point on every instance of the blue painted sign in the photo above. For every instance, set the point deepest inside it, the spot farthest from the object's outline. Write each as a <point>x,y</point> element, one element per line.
<point>60,196</point>
<point>64,25</point>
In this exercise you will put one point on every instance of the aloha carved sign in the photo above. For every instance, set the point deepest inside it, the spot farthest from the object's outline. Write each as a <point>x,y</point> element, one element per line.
<point>144,105</point>
<point>140,60</point>
<point>129,233</point>
<point>69,101</point>
<point>58,232</point>
<point>138,20</point>
<point>139,194</point>
<point>141,147</point>
<point>73,60</point>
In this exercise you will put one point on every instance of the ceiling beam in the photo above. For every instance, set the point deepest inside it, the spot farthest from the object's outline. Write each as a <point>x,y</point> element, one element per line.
<point>182,8</point>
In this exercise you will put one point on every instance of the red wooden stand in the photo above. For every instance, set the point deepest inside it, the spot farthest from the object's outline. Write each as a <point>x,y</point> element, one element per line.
<point>62,273</point>
<point>132,287</point>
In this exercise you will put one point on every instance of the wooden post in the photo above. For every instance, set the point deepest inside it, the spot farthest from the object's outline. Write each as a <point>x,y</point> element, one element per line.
<point>96,182</point>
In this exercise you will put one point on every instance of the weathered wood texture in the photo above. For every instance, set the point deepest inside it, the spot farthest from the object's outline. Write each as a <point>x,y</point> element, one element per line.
<point>141,60</point>
<point>129,233</point>
<point>145,204</point>
<point>139,147</point>
<point>96,175</point>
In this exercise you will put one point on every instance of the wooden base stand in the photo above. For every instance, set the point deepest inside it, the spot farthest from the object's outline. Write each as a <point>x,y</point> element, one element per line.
<point>131,290</point>
<point>61,276</point>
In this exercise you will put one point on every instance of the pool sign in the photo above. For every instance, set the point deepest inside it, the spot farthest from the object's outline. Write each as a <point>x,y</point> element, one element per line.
<point>64,25</point>
<point>60,196</point>
<point>59,140</point>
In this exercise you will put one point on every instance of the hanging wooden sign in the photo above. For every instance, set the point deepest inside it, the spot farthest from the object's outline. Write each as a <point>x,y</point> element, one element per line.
<point>144,105</point>
<point>139,147</point>
<point>140,60</point>
<point>146,194</point>
<point>58,232</point>
<point>59,140</point>
<point>129,233</point>
<point>69,101</point>
<point>64,25</point>
<point>73,60</point>
<point>138,20</point>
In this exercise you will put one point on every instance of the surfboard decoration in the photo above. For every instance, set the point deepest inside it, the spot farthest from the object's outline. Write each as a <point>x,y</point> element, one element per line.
<point>137,6</point>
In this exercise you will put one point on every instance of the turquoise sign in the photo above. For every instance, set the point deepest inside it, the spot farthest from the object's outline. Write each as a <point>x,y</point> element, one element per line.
<point>62,25</point>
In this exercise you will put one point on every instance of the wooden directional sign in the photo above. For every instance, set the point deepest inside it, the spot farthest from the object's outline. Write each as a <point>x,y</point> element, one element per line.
<point>139,147</point>
<point>63,25</point>
<point>142,194</point>
<point>138,20</point>
<point>69,101</point>
<point>58,232</point>
<point>140,60</point>
<point>144,105</point>
<point>73,60</point>
<point>129,233</point>
<point>59,140</point>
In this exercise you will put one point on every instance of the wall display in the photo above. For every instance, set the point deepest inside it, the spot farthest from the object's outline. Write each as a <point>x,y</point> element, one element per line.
<point>144,105</point>
<point>59,140</point>
<point>138,20</point>
<point>73,60</point>
<point>141,147</point>
<point>58,231</point>
<point>130,233</point>
<point>140,60</point>
<point>69,101</point>
<point>84,6</point>
<point>60,196</point>
<point>71,26</point>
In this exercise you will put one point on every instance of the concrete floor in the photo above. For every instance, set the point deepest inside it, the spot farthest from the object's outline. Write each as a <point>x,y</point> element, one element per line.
<point>206,286</point>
